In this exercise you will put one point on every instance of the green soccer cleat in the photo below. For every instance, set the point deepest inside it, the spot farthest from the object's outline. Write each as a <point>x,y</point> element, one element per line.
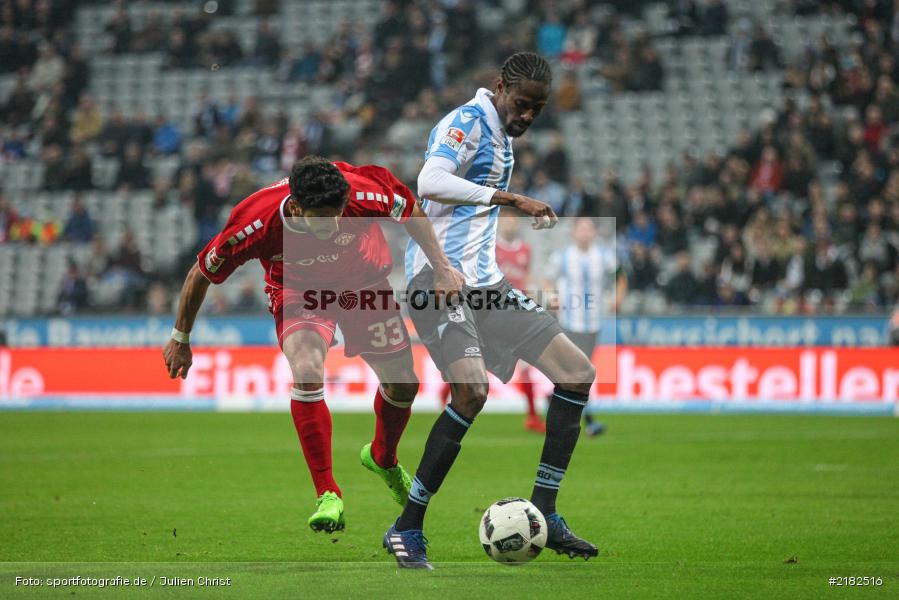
<point>396,477</point>
<point>328,515</point>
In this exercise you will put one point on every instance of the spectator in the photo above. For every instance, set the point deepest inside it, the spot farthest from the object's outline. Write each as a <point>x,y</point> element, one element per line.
<point>548,191</point>
<point>875,249</point>
<point>555,162</point>
<point>119,27</point>
<point>167,137</point>
<point>19,104</point>
<point>580,39</point>
<point>682,287</point>
<point>551,35</point>
<point>158,301</point>
<point>114,135</point>
<point>76,77</point>
<point>568,95</point>
<point>642,230</point>
<point>78,174</point>
<point>139,130</point>
<point>267,50</point>
<point>267,154</point>
<point>767,175</point>
<point>207,117</point>
<point>54,168</point>
<point>728,297</point>
<point>647,74</point>
<point>865,292</point>
<point>48,69</point>
<point>73,293</point>
<point>824,270</point>
<point>765,273</point>
<point>247,301</point>
<point>764,55</point>
<point>79,227</point>
<point>875,128</point>
<point>714,18</point>
<point>87,123</point>
<point>180,50</point>
<point>151,37</point>
<point>735,271</point>
<point>125,272</point>
<point>847,227</point>
<point>642,271</point>
<point>684,15</point>
<point>739,51</point>
<point>133,174</point>
<point>672,236</point>
<point>8,218</point>
<point>301,68</point>
<point>580,202</point>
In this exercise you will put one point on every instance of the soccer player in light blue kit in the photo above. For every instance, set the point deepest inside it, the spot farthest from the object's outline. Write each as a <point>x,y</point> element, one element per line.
<point>463,183</point>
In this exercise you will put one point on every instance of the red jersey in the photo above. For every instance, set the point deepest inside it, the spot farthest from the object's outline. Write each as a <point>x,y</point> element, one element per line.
<point>258,229</point>
<point>514,260</point>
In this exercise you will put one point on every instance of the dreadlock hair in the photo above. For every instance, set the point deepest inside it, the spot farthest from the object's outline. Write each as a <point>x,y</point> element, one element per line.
<point>315,182</point>
<point>526,66</point>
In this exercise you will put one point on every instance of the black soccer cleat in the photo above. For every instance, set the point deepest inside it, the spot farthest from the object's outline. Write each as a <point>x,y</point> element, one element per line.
<point>563,541</point>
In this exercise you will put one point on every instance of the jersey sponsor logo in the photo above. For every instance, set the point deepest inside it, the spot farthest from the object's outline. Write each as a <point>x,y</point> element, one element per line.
<point>344,239</point>
<point>322,258</point>
<point>213,261</point>
<point>399,205</point>
<point>472,351</point>
<point>454,138</point>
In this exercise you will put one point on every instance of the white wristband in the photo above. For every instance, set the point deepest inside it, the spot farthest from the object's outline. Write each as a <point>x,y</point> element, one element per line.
<point>180,336</point>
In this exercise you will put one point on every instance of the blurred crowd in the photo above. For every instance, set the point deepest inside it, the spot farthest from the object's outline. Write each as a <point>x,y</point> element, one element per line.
<point>801,215</point>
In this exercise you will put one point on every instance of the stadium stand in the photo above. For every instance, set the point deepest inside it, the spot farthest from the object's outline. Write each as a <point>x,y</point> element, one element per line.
<point>746,149</point>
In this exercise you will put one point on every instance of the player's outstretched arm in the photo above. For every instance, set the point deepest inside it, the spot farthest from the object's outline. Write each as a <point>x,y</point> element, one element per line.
<point>447,280</point>
<point>176,352</point>
<point>438,182</point>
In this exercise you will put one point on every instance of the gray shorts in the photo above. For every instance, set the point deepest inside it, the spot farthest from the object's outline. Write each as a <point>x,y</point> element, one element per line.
<point>497,322</point>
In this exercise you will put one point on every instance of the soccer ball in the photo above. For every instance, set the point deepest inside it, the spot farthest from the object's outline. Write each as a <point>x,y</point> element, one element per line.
<point>513,531</point>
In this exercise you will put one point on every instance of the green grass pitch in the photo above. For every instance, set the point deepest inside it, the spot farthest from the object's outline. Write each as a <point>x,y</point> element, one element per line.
<point>681,506</point>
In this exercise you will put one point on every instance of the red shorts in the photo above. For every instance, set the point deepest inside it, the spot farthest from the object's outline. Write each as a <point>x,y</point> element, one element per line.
<point>369,317</point>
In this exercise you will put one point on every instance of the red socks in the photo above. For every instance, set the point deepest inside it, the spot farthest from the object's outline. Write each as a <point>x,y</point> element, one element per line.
<point>527,387</point>
<point>312,420</point>
<point>391,417</point>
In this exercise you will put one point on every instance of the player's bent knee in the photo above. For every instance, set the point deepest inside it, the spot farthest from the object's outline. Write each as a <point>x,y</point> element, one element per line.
<point>308,373</point>
<point>469,398</point>
<point>400,393</point>
<point>579,378</point>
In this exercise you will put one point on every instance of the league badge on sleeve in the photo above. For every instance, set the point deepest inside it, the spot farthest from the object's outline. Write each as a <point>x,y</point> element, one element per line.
<point>213,262</point>
<point>454,138</point>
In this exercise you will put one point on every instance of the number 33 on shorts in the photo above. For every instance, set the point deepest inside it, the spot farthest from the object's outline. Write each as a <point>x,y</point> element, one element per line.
<point>390,332</point>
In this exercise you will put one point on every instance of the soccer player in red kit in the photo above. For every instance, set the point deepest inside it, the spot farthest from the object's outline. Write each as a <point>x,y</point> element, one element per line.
<point>317,237</point>
<point>513,256</point>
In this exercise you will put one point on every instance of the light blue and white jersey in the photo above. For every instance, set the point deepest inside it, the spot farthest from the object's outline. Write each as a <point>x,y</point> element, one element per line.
<point>584,279</point>
<point>473,138</point>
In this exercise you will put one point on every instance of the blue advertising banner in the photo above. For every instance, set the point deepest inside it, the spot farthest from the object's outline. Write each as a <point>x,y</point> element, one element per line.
<point>259,330</point>
<point>753,331</point>
<point>137,332</point>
